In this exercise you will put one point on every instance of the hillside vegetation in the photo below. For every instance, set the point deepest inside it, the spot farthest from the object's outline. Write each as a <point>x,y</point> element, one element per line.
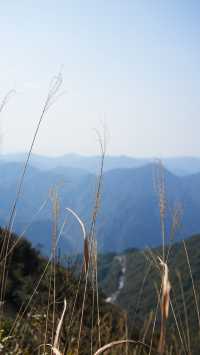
<point>139,295</point>
<point>28,320</point>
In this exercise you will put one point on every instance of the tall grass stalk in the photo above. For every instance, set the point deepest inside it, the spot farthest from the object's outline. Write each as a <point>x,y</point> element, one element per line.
<point>50,99</point>
<point>113,344</point>
<point>193,286</point>
<point>188,343</point>
<point>25,306</point>
<point>164,305</point>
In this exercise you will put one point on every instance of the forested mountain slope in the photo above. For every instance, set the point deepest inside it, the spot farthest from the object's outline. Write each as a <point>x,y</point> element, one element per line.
<point>141,285</point>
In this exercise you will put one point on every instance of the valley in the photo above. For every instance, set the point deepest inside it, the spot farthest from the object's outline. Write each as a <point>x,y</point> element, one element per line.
<point>129,207</point>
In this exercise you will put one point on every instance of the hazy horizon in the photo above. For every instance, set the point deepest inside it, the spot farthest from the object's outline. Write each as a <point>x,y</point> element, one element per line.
<point>133,65</point>
<point>98,155</point>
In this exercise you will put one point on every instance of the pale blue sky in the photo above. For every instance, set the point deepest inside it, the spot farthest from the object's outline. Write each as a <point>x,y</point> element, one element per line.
<point>134,64</point>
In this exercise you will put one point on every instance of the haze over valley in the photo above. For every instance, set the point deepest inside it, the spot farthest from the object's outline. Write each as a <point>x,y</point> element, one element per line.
<point>129,196</point>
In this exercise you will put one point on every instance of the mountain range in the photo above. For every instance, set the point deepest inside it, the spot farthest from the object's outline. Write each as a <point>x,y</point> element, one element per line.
<point>129,209</point>
<point>177,165</point>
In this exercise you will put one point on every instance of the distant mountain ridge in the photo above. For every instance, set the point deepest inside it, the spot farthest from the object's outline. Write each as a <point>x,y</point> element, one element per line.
<point>128,215</point>
<point>177,165</point>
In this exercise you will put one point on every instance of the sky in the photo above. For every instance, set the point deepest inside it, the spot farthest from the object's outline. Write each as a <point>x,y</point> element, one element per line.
<point>132,66</point>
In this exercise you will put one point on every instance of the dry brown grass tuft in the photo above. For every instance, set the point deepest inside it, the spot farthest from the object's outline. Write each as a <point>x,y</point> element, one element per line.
<point>165,300</point>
